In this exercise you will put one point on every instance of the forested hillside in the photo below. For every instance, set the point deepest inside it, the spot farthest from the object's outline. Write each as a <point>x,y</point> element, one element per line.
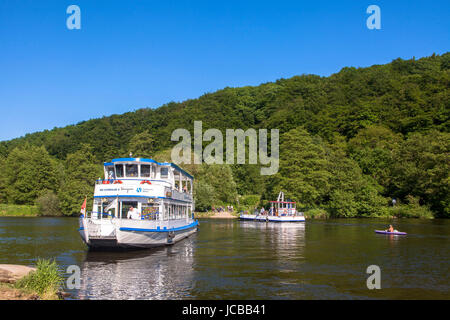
<point>349,143</point>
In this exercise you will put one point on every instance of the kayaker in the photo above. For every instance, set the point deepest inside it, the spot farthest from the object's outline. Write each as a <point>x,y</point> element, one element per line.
<point>391,228</point>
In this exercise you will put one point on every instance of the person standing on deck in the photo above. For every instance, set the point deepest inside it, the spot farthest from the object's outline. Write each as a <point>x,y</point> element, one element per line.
<point>133,214</point>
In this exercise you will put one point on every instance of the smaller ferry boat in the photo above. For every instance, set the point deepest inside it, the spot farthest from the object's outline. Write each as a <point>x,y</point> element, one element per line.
<point>280,211</point>
<point>140,203</point>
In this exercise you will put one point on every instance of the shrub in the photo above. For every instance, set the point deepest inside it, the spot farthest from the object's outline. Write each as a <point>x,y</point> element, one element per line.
<point>45,281</point>
<point>412,210</point>
<point>48,204</point>
<point>250,200</point>
<point>316,214</point>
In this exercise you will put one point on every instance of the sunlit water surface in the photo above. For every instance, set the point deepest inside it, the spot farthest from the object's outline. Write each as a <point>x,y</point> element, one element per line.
<point>230,259</point>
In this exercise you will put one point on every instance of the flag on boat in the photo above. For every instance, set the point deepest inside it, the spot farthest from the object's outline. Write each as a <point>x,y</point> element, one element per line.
<point>83,207</point>
<point>111,205</point>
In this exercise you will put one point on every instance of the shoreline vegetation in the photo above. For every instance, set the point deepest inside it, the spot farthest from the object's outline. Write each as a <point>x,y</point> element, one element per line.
<point>351,145</point>
<point>44,282</point>
<point>16,210</point>
<point>397,212</point>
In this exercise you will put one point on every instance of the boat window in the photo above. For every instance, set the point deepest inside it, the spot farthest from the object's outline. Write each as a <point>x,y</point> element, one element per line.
<point>150,211</point>
<point>145,170</point>
<point>164,173</point>
<point>119,170</point>
<point>110,172</point>
<point>131,170</point>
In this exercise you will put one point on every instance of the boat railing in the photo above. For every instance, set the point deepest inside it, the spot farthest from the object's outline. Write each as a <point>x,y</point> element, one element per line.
<point>150,216</point>
<point>98,215</point>
<point>108,181</point>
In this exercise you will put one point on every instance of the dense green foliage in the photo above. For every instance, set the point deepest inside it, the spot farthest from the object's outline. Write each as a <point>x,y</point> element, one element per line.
<point>349,143</point>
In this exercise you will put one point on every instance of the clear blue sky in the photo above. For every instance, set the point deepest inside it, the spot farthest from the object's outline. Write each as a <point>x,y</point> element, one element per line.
<point>141,53</point>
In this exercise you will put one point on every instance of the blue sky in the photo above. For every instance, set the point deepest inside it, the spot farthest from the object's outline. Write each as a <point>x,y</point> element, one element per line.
<point>137,53</point>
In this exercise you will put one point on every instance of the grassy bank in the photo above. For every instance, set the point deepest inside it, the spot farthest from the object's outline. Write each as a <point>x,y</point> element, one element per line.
<point>210,214</point>
<point>44,283</point>
<point>207,214</point>
<point>15,210</point>
<point>401,211</point>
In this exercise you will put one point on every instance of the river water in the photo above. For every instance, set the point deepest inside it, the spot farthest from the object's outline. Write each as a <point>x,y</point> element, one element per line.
<point>231,259</point>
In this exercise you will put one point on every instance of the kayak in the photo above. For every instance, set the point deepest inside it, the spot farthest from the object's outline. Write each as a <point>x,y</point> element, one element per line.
<point>387,232</point>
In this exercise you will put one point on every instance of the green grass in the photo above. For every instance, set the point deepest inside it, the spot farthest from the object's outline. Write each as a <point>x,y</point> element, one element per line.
<point>411,211</point>
<point>46,281</point>
<point>15,210</point>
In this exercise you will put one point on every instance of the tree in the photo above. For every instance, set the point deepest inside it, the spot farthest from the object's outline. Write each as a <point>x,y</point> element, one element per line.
<point>81,171</point>
<point>204,196</point>
<point>421,169</point>
<point>351,193</point>
<point>220,178</point>
<point>142,144</point>
<point>48,204</point>
<point>303,174</point>
<point>373,150</point>
<point>29,171</point>
<point>3,194</point>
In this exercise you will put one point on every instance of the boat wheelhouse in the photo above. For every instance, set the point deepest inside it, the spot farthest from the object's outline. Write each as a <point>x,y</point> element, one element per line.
<point>280,211</point>
<point>140,203</point>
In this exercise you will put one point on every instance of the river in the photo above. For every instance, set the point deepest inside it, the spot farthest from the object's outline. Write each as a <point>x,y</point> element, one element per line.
<point>231,259</point>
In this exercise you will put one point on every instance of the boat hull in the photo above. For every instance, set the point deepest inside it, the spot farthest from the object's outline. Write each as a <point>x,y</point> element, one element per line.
<point>262,218</point>
<point>134,235</point>
<point>393,233</point>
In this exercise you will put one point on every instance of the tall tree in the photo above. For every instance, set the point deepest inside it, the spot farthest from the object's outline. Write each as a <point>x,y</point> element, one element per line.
<point>373,150</point>
<point>302,174</point>
<point>421,169</point>
<point>81,171</point>
<point>142,144</point>
<point>29,171</point>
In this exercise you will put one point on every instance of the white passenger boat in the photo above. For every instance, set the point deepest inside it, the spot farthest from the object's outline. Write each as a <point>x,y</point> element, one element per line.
<point>141,203</point>
<point>280,211</point>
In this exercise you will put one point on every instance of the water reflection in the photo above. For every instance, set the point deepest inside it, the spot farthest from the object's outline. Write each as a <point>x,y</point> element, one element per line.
<point>287,240</point>
<point>164,273</point>
<point>230,253</point>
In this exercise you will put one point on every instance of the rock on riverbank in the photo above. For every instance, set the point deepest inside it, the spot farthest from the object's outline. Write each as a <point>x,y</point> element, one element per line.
<point>9,274</point>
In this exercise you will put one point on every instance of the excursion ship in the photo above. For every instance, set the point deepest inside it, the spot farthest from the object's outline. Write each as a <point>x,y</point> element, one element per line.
<point>140,203</point>
<point>280,211</point>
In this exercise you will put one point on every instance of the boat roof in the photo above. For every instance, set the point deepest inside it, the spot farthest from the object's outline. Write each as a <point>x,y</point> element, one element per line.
<point>282,202</point>
<point>173,165</point>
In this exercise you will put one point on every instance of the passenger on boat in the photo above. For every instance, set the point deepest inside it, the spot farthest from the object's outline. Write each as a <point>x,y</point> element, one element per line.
<point>133,214</point>
<point>262,211</point>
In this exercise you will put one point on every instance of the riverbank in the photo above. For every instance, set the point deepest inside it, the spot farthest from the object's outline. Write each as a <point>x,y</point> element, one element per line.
<point>18,282</point>
<point>401,211</point>
<point>15,210</point>
<point>216,215</point>
<point>9,275</point>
